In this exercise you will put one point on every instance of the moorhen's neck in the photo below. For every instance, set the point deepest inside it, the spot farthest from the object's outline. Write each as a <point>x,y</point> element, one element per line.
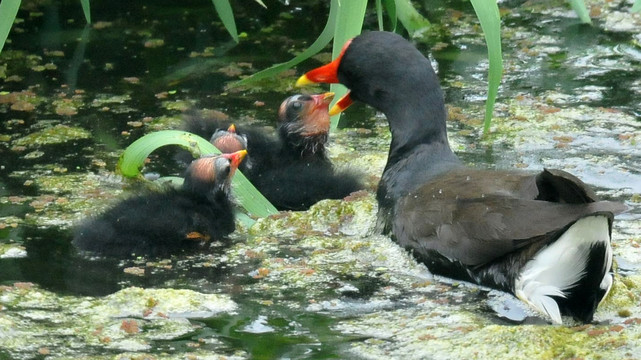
<point>401,83</point>
<point>387,72</point>
<point>417,119</point>
<point>419,150</point>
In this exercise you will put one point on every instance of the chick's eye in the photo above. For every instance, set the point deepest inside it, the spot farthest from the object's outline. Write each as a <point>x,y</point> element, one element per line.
<point>297,105</point>
<point>223,167</point>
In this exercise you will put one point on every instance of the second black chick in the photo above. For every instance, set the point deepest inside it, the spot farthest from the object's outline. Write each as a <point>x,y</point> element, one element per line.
<point>164,223</point>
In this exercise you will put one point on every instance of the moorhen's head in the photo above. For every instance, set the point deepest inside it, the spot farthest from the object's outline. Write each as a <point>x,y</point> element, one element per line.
<point>304,122</point>
<point>212,175</point>
<point>379,68</point>
<point>228,141</point>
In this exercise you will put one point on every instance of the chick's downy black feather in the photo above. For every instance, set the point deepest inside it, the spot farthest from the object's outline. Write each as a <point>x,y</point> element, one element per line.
<point>167,222</point>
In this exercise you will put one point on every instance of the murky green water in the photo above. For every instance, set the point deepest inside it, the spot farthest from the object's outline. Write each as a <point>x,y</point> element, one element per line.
<point>315,284</point>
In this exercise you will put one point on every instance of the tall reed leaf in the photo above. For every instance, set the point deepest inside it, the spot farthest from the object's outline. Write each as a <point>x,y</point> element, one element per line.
<point>410,18</point>
<point>390,7</point>
<point>323,39</point>
<point>223,8</point>
<point>488,13</point>
<point>349,23</point>
<point>379,15</point>
<point>8,12</point>
<point>581,11</point>
<point>86,9</point>
<point>636,7</point>
<point>132,160</point>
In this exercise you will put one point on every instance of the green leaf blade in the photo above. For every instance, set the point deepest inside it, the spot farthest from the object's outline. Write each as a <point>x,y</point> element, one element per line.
<point>409,17</point>
<point>86,10</point>
<point>323,39</point>
<point>8,12</point>
<point>379,15</point>
<point>487,12</point>
<point>349,23</point>
<point>226,15</point>
<point>581,11</point>
<point>390,6</point>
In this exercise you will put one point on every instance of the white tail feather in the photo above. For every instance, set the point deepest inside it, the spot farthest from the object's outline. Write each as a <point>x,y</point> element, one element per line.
<point>560,265</point>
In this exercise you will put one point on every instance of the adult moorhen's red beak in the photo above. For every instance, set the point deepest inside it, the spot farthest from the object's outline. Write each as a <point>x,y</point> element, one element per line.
<point>328,74</point>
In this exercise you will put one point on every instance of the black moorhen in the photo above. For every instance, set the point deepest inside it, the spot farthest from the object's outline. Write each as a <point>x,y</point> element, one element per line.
<point>292,171</point>
<point>543,236</point>
<point>163,223</point>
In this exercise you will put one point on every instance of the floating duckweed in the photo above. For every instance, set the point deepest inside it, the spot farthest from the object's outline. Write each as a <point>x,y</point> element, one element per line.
<point>105,99</point>
<point>11,251</point>
<point>34,155</point>
<point>54,135</point>
<point>164,122</point>
<point>154,43</point>
<point>101,322</point>
<point>180,105</point>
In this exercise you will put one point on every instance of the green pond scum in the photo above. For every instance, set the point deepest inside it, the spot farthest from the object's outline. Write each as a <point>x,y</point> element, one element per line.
<point>318,284</point>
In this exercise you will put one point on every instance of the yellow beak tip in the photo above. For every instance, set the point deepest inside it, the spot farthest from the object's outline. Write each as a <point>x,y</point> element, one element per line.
<point>302,81</point>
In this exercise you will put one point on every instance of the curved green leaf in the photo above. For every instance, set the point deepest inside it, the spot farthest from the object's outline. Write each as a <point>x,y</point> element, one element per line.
<point>132,160</point>
<point>636,7</point>
<point>488,13</point>
<point>226,15</point>
<point>8,12</point>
